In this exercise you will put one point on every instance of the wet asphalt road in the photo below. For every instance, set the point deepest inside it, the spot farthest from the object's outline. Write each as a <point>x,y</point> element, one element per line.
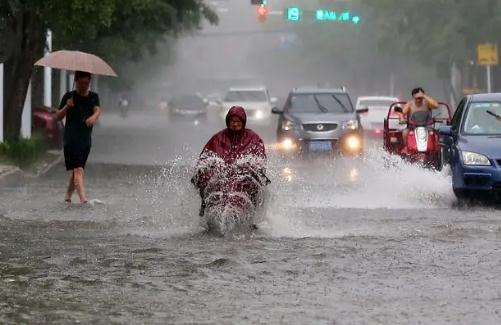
<point>342,242</point>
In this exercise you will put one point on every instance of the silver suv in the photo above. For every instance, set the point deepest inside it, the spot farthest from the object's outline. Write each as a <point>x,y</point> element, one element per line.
<point>319,120</point>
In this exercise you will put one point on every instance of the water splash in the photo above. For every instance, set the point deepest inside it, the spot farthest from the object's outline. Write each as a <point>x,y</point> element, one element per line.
<point>303,190</point>
<point>305,193</point>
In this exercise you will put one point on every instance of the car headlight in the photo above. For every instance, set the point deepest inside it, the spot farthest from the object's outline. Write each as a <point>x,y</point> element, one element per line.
<point>287,125</point>
<point>288,144</point>
<point>353,143</point>
<point>351,124</point>
<point>474,159</point>
<point>259,114</point>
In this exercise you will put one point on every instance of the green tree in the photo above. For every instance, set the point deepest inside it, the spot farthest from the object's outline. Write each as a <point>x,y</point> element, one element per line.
<point>117,30</point>
<point>440,33</point>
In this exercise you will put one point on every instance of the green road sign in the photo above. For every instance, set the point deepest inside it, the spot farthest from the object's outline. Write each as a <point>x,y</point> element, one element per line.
<point>294,14</point>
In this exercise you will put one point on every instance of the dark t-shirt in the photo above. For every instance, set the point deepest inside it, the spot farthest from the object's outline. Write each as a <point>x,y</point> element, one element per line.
<point>76,132</point>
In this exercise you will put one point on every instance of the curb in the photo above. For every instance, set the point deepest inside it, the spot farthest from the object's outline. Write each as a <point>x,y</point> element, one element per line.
<point>15,174</point>
<point>57,160</point>
<point>12,174</point>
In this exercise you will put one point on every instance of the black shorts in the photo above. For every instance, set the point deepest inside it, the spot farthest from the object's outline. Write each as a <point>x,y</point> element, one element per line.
<point>75,157</point>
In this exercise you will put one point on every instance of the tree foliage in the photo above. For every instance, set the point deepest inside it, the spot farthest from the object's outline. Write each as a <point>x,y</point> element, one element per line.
<point>437,32</point>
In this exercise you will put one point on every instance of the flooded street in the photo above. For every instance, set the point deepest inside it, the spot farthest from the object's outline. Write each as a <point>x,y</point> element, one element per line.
<point>356,242</point>
<point>250,162</point>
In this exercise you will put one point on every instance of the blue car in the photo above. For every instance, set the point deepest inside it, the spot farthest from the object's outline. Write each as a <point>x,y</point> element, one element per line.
<point>472,146</point>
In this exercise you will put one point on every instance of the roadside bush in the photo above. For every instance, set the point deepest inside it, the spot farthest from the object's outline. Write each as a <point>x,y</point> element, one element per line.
<point>23,152</point>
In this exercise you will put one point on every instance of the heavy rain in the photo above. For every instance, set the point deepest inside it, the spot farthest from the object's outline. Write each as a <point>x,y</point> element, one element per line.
<point>250,162</point>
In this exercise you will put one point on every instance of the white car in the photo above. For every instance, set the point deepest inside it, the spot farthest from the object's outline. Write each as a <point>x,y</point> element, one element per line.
<point>373,121</point>
<point>255,100</point>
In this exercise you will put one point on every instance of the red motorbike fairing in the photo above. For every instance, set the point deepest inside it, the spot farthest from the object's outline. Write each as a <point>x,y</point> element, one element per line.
<point>411,150</point>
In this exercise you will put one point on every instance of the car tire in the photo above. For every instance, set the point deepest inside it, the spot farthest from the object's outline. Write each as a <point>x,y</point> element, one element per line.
<point>496,195</point>
<point>463,197</point>
<point>461,194</point>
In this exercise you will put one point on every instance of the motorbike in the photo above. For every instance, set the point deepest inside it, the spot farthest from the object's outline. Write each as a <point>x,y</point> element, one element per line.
<point>232,198</point>
<point>422,144</point>
<point>123,104</point>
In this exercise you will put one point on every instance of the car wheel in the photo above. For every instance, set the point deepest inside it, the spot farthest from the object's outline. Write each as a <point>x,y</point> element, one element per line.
<point>497,197</point>
<point>463,197</point>
<point>460,194</point>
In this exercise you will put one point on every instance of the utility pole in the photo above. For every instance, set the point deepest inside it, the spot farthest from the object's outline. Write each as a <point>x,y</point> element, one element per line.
<point>47,74</point>
<point>487,54</point>
<point>63,83</point>
<point>26,116</point>
<point>489,78</point>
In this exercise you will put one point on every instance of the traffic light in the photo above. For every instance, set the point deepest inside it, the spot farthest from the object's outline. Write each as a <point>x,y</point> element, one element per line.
<point>262,12</point>
<point>294,13</point>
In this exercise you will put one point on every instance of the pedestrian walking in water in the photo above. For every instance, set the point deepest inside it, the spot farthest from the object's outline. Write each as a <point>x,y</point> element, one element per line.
<point>82,110</point>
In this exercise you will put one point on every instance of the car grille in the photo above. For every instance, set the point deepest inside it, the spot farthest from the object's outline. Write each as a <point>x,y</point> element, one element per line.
<point>476,180</point>
<point>320,127</point>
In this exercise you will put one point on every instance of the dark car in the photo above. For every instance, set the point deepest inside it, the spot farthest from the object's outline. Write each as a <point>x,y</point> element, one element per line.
<point>473,145</point>
<point>319,120</point>
<point>188,106</point>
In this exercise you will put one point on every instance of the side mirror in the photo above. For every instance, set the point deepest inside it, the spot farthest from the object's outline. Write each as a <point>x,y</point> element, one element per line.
<point>398,109</point>
<point>362,110</point>
<point>276,110</point>
<point>445,130</point>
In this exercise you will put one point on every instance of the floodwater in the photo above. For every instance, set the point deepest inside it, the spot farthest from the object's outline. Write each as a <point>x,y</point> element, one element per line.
<point>370,241</point>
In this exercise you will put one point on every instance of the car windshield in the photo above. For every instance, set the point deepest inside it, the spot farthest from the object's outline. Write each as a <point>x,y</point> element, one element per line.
<point>483,119</point>
<point>246,96</point>
<point>380,104</point>
<point>320,103</point>
<point>188,102</point>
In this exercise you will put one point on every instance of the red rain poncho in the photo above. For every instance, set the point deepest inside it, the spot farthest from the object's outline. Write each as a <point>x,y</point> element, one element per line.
<point>229,146</point>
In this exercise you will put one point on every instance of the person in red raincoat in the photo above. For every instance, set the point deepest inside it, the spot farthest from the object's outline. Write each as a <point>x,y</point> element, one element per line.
<point>229,145</point>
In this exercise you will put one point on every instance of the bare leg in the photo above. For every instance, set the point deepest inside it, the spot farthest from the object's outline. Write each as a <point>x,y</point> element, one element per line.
<point>71,187</point>
<point>405,133</point>
<point>79,184</point>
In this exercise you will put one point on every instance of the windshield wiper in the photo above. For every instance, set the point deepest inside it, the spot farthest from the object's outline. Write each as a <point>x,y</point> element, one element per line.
<point>320,106</point>
<point>340,103</point>
<point>498,117</point>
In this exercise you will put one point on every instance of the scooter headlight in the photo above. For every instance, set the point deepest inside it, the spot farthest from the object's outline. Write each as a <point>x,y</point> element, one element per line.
<point>474,159</point>
<point>351,125</point>
<point>421,133</point>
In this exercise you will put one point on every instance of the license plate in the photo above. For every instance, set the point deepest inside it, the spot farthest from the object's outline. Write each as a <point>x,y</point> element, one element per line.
<point>320,146</point>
